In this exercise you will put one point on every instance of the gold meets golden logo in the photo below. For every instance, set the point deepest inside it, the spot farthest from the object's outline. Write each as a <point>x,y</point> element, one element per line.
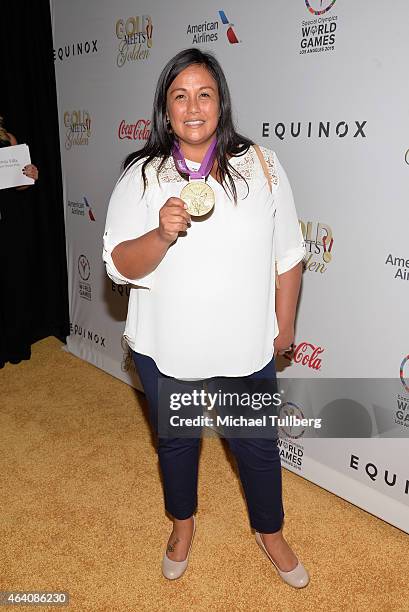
<point>78,128</point>
<point>319,241</point>
<point>135,35</point>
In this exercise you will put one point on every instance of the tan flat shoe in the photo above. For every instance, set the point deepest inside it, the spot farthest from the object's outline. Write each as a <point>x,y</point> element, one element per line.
<point>175,569</point>
<point>297,577</point>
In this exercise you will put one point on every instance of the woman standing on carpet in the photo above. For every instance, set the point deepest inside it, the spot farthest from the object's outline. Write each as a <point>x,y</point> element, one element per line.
<point>203,301</point>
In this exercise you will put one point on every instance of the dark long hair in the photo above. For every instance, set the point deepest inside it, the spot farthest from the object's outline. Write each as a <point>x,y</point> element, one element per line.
<point>159,143</point>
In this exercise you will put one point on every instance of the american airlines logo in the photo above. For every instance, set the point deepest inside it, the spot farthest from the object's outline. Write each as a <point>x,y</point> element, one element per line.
<point>207,30</point>
<point>231,35</point>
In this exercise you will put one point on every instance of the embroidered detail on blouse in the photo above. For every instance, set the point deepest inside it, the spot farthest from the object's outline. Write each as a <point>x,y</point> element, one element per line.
<point>168,172</point>
<point>246,165</point>
<point>270,160</point>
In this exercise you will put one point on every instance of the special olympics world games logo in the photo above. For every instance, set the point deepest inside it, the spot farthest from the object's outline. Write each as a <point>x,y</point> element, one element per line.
<point>319,33</point>
<point>404,373</point>
<point>319,7</point>
<point>402,401</point>
<point>84,268</point>
<point>289,409</point>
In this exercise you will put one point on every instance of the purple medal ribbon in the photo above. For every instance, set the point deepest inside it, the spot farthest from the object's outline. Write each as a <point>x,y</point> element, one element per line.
<point>205,166</point>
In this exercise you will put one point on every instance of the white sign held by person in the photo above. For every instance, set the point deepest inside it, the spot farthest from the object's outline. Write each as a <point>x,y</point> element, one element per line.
<point>12,161</point>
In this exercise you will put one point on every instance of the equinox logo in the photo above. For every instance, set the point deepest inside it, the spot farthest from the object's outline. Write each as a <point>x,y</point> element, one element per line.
<point>385,475</point>
<point>323,129</point>
<point>75,49</point>
<point>87,334</point>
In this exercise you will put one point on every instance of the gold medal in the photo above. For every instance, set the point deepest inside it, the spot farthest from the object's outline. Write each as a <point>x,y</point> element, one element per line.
<point>327,256</point>
<point>199,198</point>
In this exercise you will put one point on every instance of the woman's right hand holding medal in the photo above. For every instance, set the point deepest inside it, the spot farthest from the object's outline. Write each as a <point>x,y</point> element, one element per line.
<point>173,218</point>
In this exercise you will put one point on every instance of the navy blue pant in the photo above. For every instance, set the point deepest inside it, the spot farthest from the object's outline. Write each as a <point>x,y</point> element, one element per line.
<point>258,461</point>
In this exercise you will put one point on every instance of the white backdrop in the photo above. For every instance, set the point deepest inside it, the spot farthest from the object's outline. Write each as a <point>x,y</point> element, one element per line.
<point>324,84</point>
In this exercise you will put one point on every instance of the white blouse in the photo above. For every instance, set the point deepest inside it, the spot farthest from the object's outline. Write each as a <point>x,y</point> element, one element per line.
<point>208,309</point>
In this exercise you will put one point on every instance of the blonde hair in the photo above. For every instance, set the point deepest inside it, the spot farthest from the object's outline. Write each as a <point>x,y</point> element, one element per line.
<point>3,133</point>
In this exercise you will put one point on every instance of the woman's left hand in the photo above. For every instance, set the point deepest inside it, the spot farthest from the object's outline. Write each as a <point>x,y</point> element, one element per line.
<point>31,171</point>
<point>284,342</point>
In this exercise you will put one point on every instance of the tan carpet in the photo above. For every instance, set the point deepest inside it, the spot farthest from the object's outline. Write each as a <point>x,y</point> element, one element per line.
<point>81,511</point>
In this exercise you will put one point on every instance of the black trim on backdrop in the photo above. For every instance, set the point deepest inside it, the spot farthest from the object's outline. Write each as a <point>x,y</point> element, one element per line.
<point>33,267</point>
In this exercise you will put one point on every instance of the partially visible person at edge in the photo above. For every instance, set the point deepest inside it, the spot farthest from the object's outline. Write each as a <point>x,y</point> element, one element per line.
<point>203,302</point>
<point>7,140</point>
<point>15,236</point>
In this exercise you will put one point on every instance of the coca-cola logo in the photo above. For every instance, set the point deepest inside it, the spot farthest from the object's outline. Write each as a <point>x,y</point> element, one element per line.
<point>135,131</point>
<point>308,354</point>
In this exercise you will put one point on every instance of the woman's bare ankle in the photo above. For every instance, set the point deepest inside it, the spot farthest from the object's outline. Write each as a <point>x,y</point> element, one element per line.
<point>183,526</point>
<point>180,538</point>
<point>277,535</point>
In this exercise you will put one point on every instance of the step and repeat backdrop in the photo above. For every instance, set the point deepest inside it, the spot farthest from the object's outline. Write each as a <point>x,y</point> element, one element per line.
<point>324,84</point>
